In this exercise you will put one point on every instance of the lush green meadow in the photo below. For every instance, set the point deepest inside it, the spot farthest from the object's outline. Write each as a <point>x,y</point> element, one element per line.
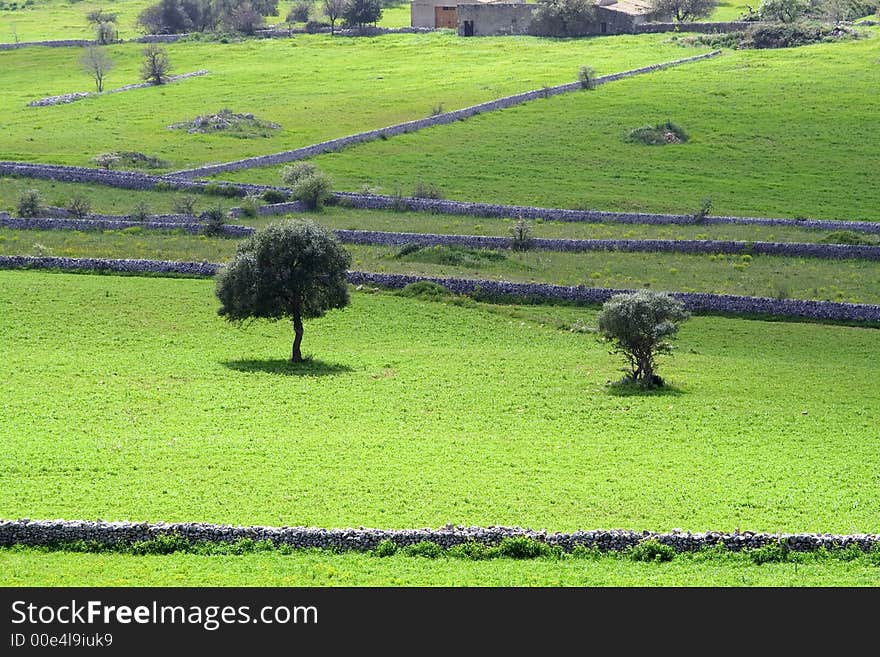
<point>772,133</point>
<point>322,568</point>
<point>128,398</point>
<point>856,281</point>
<point>316,87</point>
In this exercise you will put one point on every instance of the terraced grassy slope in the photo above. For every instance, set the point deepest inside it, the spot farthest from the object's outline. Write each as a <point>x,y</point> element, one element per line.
<point>128,398</point>
<point>855,281</point>
<point>773,133</point>
<point>316,87</point>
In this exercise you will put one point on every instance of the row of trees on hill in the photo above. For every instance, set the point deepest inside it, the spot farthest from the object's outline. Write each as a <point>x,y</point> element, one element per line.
<point>248,16</point>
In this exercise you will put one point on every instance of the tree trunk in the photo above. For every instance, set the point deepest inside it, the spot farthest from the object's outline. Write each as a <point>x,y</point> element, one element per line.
<point>296,355</point>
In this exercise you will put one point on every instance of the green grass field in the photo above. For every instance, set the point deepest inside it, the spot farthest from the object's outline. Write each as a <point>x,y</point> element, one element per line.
<point>128,398</point>
<point>772,133</point>
<point>59,19</point>
<point>38,568</point>
<point>856,281</point>
<point>316,87</point>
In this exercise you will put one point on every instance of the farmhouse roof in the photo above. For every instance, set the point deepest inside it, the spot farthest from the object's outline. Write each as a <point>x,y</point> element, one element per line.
<point>631,7</point>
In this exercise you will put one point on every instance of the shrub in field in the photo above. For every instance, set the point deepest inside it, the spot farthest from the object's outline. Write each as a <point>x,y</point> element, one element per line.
<point>587,77</point>
<point>358,13</point>
<point>300,11</point>
<point>683,10</point>
<point>292,174</point>
<point>162,544</point>
<point>156,66</point>
<point>185,205</point>
<point>773,553</point>
<point>407,249</point>
<point>652,551</point>
<point>427,190</point>
<point>274,196</point>
<point>658,135</point>
<point>703,211</point>
<point>213,221</point>
<point>426,549</point>
<point>783,11</point>
<point>250,206</point>
<point>29,203</point>
<point>106,160</point>
<point>385,548</point>
<point>229,191</point>
<point>78,206</point>
<point>523,547</point>
<point>563,18</point>
<point>639,325</point>
<point>848,237</point>
<point>293,270</point>
<point>425,290</point>
<point>521,235</point>
<point>313,190</point>
<point>140,212</point>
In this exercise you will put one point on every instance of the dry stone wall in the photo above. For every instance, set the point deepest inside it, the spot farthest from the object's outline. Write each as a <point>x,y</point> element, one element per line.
<point>55,532</point>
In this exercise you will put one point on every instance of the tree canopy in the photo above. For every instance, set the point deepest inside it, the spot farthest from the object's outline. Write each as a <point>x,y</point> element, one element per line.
<point>294,269</point>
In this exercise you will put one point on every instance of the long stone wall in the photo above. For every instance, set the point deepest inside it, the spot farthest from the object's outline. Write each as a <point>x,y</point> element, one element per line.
<point>79,95</point>
<point>700,28</point>
<point>420,124</point>
<point>58,532</point>
<point>191,225</point>
<point>142,181</point>
<point>695,301</point>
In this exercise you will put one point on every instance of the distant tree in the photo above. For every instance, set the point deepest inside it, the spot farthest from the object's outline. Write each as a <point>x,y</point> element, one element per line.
<point>166,17</point>
<point>300,11</point>
<point>97,63</point>
<point>564,18</point>
<point>784,11</point>
<point>156,65</point>
<point>684,10</point>
<point>105,32</point>
<point>293,270</point>
<point>202,14</point>
<point>100,16</point>
<point>638,325</point>
<point>244,18</point>
<point>333,11</point>
<point>359,13</point>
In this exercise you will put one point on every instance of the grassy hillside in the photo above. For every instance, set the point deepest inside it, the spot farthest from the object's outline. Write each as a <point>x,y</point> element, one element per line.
<point>316,87</point>
<point>128,398</point>
<point>772,133</point>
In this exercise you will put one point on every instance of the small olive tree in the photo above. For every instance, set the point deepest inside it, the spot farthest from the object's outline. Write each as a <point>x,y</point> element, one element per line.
<point>294,269</point>
<point>683,10</point>
<point>97,63</point>
<point>639,326</point>
<point>156,66</point>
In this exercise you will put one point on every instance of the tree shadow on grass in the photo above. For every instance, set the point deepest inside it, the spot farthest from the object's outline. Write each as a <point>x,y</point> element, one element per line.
<point>624,388</point>
<point>283,367</point>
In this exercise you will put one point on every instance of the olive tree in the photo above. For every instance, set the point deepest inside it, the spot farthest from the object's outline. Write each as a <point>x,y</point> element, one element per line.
<point>97,63</point>
<point>156,66</point>
<point>684,10</point>
<point>639,325</point>
<point>294,269</point>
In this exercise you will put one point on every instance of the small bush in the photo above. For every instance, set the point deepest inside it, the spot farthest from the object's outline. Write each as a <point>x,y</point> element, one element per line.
<point>457,256</point>
<point>703,211</point>
<point>398,201</point>
<point>213,221</point>
<point>584,552</point>
<point>292,174</point>
<point>652,551</point>
<point>78,206</point>
<point>229,191</point>
<point>658,135</point>
<point>473,550</point>
<point>407,249</point>
<point>848,237</point>
<point>162,544</point>
<point>437,109</point>
<point>773,553</point>
<point>106,160</point>
<point>250,206</point>
<point>185,205</point>
<point>274,196</point>
<point>426,549</point>
<point>141,212</point>
<point>312,190</point>
<point>523,547</point>
<point>427,190</point>
<point>425,290</point>
<point>313,27</point>
<point>299,13</point>
<point>385,548</point>
<point>29,203</point>
<point>521,235</point>
<point>587,77</point>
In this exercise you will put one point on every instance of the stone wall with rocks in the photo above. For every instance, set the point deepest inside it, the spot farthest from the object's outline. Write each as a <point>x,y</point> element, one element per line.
<point>419,124</point>
<point>695,301</point>
<point>79,95</point>
<point>55,532</point>
<point>191,225</point>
